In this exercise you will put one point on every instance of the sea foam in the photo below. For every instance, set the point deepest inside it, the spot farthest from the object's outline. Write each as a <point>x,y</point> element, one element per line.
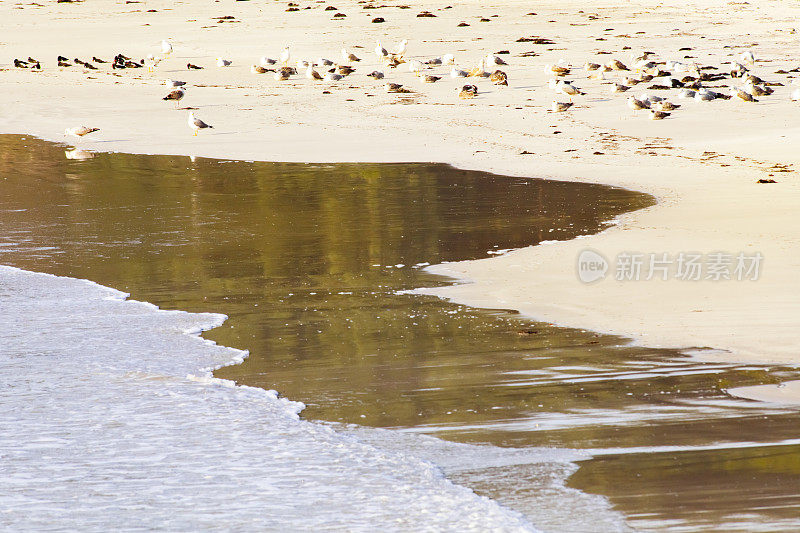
<point>110,419</point>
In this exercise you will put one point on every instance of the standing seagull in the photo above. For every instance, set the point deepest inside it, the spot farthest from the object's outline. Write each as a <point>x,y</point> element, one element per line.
<point>166,47</point>
<point>380,51</point>
<point>285,55</point>
<point>196,124</point>
<point>175,95</point>
<point>400,49</point>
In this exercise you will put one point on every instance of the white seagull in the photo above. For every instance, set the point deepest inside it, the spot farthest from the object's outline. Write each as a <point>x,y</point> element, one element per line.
<point>166,47</point>
<point>285,55</point>
<point>79,131</point>
<point>196,124</point>
<point>223,62</point>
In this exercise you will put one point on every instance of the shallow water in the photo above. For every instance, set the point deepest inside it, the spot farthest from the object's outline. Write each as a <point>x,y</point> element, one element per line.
<point>307,261</point>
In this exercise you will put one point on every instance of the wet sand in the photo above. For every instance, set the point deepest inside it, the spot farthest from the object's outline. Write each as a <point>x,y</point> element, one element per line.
<point>315,302</point>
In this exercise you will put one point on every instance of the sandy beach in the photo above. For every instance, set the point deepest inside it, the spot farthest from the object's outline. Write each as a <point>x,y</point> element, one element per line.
<point>702,163</point>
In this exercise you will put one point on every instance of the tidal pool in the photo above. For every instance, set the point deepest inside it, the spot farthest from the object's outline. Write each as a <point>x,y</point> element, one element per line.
<point>308,261</point>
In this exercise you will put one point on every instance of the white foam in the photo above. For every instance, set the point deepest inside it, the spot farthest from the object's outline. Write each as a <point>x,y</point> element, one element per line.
<point>100,429</point>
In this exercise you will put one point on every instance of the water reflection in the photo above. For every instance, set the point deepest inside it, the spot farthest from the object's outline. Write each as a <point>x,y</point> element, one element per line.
<point>307,261</point>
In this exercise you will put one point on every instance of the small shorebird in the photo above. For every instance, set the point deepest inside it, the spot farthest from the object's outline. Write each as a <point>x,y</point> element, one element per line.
<point>175,95</point>
<point>349,57</point>
<point>224,62</point>
<point>499,77</point>
<point>196,124</point>
<point>79,131</point>
<point>559,107</point>
<point>376,75</point>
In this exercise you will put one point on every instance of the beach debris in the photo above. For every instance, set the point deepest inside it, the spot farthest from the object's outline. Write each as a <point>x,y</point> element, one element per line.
<point>190,66</point>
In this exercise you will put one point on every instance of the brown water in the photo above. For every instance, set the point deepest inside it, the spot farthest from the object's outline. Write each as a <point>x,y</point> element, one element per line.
<point>307,261</point>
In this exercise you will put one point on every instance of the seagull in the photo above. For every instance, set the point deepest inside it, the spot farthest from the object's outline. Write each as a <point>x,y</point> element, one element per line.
<point>258,69</point>
<point>376,74</point>
<point>332,76</point>
<point>196,124</point>
<point>380,51</point>
<point>742,95</point>
<point>426,78</point>
<point>189,66</point>
<point>458,73</point>
<point>434,61</point>
<point>349,57</point>
<point>322,62</point>
<point>166,47</point>
<point>345,70</point>
<point>492,59</point>
<point>619,88</point>
<point>480,70</point>
<point>282,74</point>
<point>558,107</point>
<point>637,105</point>
<point>658,115</point>
<point>285,55</point>
<point>664,106</point>
<point>748,57</point>
<point>616,64</point>
<point>302,63</point>
<point>565,87</point>
<point>556,70</point>
<point>400,49</point>
<point>312,74</point>
<point>79,131</point>
<point>395,88</point>
<point>223,62</point>
<point>150,61</point>
<point>176,96</point>
<point>448,59</point>
<point>174,83</point>
<point>267,61</point>
<point>499,77</point>
<point>415,66</point>
<point>795,95</point>
<point>468,91</point>
<point>591,66</point>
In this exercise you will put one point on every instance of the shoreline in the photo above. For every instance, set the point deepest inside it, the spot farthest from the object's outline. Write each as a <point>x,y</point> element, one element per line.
<point>702,175</point>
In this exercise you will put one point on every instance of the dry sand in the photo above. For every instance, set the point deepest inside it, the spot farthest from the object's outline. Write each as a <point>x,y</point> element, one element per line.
<point>702,163</point>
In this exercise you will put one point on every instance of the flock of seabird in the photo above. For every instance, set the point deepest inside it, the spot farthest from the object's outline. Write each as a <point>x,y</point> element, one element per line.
<point>689,79</point>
